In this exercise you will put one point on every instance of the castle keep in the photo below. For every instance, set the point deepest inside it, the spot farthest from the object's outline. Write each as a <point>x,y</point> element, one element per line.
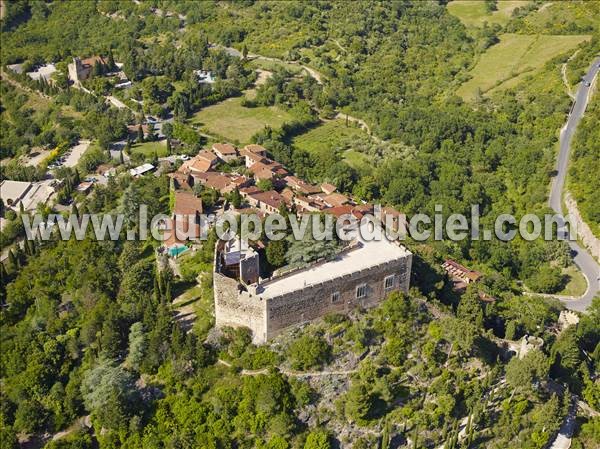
<point>360,276</point>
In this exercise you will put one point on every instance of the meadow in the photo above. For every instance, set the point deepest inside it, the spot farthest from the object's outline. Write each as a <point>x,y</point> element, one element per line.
<point>331,136</point>
<point>237,123</point>
<point>474,13</point>
<point>149,149</point>
<point>510,61</point>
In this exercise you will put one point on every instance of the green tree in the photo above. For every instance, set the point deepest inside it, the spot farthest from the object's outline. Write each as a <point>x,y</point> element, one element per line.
<point>308,352</point>
<point>565,352</point>
<point>359,403</point>
<point>137,345</point>
<point>469,308</point>
<point>109,392</point>
<point>276,250</point>
<point>140,134</point>
<point>318,439</point>
<point>265,185</point>
<point>526,372</point>
<point>511,330</point>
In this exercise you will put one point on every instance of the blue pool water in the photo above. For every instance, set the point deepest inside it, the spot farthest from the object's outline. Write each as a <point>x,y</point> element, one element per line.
<point>176,250</point>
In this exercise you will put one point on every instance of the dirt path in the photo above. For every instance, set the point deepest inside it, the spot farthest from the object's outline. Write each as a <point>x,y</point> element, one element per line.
<point>563,72</point>
<point>361,123</point>
<point>291,373</point>
<point>185,312</point>
<point>319,77</point>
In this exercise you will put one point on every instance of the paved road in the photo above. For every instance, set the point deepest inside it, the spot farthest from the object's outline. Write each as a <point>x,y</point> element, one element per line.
<point>586,263</point>
<point>565,433</point>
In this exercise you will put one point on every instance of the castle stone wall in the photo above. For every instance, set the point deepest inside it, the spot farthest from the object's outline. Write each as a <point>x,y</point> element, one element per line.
<point>316,301</point>
<point>238,308</point>
<point>268,317</point>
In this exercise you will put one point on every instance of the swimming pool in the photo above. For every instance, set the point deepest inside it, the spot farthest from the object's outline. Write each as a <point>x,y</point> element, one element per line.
<point>176,250</point>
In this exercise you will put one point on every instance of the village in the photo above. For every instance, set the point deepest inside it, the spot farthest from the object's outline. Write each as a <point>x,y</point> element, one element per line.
<point>238,180</point>
<point>214,224</point>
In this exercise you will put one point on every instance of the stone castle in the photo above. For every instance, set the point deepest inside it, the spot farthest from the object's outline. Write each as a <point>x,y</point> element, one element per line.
<point>360,276</point>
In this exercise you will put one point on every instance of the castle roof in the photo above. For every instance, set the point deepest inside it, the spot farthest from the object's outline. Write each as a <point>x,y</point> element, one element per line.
<point>364,255</point>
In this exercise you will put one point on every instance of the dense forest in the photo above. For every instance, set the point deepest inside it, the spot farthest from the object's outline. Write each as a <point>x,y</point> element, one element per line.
<point>583,180</point>
<point>90,342</point>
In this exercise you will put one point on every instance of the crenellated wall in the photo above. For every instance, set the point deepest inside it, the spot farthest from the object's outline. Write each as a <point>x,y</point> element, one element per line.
<point>315,301</point>
<point>236,306</point>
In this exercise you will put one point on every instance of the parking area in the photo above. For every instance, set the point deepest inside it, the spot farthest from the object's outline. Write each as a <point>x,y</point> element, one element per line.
<point>75,153</point>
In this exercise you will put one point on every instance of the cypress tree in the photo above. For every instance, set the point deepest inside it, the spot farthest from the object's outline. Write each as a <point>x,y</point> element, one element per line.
<point>3,282</point>
<point>29,250</point>
<point>12,258</point>
<point>156,289</point>
<point>168,293</point>
<point>111,60</point>
<point>385,437</point>
<point>416,437</point>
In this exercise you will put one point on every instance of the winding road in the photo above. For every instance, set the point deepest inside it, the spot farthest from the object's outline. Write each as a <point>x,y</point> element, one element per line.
<point>586,263</point>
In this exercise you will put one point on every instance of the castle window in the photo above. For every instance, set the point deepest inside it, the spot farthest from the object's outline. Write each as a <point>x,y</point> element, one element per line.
<point>335,297</point>
<point>388,282</point>
<point>361,291</point>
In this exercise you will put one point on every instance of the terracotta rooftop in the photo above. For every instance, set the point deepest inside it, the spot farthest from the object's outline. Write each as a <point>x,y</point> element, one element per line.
<point>186,203</point>
<point>181,232</point>
<point>207,155</point>
<point>328,188</point>
<point>92,60</point>
<point>299,184</point>
<point>225,148</point>
<point>251,190</point>
<point>454,267</point>
<point>256,149</point>
<point>267,169</point>
<point>270,198</point>
<point>198,164</point>
<point>180,180</point>
<point>335,199</point>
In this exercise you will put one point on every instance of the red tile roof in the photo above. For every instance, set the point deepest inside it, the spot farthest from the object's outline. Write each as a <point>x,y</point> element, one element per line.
<point>457,269</point>
<point>338,211</point>
<point>207,156</point>
<point>186,203</point>
<point>251,190</point>
<point>225,149</point>
<point>256,149</point>
<point>335,199</point>
<point>270,198</point>
<point>328,188</point>
<point>302,186</point>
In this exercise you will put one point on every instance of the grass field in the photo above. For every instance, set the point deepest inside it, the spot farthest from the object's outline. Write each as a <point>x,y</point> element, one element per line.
<point>236,123</point>
<point>507,63</point>
<point>576,285</point>
<point>473,13</point>
<point>149,148</point>
<point>332,136</point>
<point>560,17</point>
<point>357,160</point>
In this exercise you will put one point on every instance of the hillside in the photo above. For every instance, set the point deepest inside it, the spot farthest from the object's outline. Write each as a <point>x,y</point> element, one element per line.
<point>437,110</point>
